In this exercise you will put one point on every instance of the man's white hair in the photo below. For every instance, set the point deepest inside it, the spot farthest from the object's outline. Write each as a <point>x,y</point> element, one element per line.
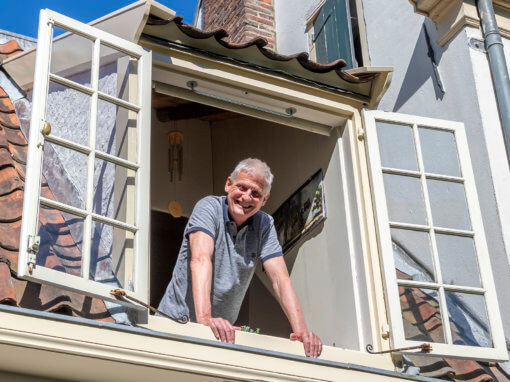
<point>256,167</point>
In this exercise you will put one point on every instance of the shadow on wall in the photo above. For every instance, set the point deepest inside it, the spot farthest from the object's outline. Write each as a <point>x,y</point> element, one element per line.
<point>423,65</point>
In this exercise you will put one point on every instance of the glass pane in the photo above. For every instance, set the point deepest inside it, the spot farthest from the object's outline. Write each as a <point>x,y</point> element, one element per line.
<point>116,130</point>
<point>457,258</point>
<point>468,319</point>
<point>68,112</point>
<point>112,256</point>
<point>118,74</point>
<point>412,254</point>
<point>439,152</point>
<point>64,175</point>
<point>421,314</point>
<point>61,239</point>
<point>396,144</point>
<point>449,205</point>
<point>71,57</point>
<point>404,197</point>
<point>114,187</point>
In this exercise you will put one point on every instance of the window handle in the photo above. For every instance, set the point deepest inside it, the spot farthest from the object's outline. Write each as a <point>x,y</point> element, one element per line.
<point>121,294</point>
<point>425,348</point>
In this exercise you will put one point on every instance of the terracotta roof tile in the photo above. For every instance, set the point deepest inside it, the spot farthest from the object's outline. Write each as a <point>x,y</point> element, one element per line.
<point>3,94</point>
<point>9,181</point>
<point>15,136</point>
<point>10,205</point>
<point>19,153</point>
<point>7,290</point>
<point>6,105</point>
<point>9,49</point>
<point>9,119</point>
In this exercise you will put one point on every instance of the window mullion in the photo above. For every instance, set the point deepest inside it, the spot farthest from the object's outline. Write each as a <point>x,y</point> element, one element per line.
<point>435,255</point>
<point>89,193</point>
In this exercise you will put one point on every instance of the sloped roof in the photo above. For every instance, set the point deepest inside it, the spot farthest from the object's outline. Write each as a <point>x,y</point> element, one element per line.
<point>62,253</point>
<point>173,32</point>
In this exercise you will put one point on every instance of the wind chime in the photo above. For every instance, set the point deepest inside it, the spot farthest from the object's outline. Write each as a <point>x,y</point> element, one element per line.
<point>175,163</point>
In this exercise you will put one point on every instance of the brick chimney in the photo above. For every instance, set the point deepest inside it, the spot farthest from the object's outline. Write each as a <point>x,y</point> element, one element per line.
<point>242,19</point>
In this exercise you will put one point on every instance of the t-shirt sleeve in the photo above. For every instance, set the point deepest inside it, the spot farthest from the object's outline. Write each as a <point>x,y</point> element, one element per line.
<point>270,245</point>
<point>204,217</point>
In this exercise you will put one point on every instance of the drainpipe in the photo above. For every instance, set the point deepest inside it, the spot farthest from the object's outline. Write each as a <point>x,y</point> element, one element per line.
<point>497,62</point>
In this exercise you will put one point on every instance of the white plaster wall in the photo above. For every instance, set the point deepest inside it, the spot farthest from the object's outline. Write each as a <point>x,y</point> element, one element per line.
<point>290,23</point>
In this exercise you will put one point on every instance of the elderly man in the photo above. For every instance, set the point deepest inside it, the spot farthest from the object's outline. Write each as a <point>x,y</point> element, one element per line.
<point>224,238</point>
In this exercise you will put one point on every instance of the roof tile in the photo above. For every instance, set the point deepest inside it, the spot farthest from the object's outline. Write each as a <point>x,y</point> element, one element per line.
<point>9,181</point>
<point>7,290</point>
<point>9,119</point>
<point>19,153</point>
<point>9,235</point>
<point>10,48</point>
<point>6,105</point>
<point>15,136</point>
<point>11,206</point>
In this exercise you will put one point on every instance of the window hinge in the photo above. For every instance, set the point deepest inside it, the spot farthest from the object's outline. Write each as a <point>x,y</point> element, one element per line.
<point>33,250</point>
<point>385,331</point>
<point>361,133</point>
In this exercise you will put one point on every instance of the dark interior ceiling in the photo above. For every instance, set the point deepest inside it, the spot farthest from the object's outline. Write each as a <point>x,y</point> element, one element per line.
<point>170,108</point>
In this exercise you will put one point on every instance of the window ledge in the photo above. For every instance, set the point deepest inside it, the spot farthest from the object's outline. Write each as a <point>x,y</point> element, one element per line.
<point>58,346</point>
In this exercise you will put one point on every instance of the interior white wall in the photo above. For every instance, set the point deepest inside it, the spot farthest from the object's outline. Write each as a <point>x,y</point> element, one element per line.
<point>197,167</point>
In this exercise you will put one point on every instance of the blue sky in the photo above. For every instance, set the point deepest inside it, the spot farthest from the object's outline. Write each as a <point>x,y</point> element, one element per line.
<point>21,16</point>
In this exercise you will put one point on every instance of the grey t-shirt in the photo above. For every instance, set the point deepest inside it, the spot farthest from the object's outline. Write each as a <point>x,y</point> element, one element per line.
<point>235,256</point>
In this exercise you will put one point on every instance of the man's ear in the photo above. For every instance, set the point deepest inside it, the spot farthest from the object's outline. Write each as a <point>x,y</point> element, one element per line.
<point>265,200</point>
<point>228,183</point>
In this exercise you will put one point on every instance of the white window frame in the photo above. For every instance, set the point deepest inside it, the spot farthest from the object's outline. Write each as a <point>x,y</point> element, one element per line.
<point>32,198</point>
<point>498,352</point>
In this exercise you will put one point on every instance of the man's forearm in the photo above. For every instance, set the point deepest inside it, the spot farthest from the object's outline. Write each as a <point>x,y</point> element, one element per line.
<point>290,305</point>
<point>201,276</point>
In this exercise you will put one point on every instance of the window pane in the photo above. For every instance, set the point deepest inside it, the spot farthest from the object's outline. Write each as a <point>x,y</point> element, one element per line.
<point>68,112</point>
<point>64,175</point>
<point>468,319</point>
<point>457,258</point>
<point>412,254</point>
<point>61,240</point>
<point>111,259</point>
<point>439,152</point>
<point>118,74</point>
<point>114,186</point>
<point>71,57</point>
<point>421,314</point>
<point>404,197</point>
<point>396,144</point>
<point>449,205</point>
<point>116,130</point>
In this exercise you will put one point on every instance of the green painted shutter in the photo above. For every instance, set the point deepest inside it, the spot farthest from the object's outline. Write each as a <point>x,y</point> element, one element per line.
<point>333,33</point>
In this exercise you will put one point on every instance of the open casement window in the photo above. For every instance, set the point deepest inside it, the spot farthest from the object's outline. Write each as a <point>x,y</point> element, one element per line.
<point>436,265</point>
<point>87,181</point>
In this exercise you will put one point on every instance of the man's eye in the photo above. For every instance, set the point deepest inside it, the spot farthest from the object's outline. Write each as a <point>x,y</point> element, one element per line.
<point>255,195</point>
<point>241,187</point>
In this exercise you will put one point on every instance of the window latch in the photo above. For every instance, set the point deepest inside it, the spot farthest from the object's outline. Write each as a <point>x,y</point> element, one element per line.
<point>425,348</point>
<point>33,249</point>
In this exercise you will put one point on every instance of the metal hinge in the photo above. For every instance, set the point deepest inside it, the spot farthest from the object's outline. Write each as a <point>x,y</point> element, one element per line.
<point>33,249</point>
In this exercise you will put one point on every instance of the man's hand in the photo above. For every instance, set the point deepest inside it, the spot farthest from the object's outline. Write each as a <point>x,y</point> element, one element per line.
<point>311,342</point>
<point>221,328</point>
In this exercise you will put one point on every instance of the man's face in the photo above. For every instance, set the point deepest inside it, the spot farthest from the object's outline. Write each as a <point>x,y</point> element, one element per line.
<point>245,196</point>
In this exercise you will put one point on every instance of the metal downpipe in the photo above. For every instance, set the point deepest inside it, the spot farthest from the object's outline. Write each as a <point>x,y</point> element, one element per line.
<point>498,66</point>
